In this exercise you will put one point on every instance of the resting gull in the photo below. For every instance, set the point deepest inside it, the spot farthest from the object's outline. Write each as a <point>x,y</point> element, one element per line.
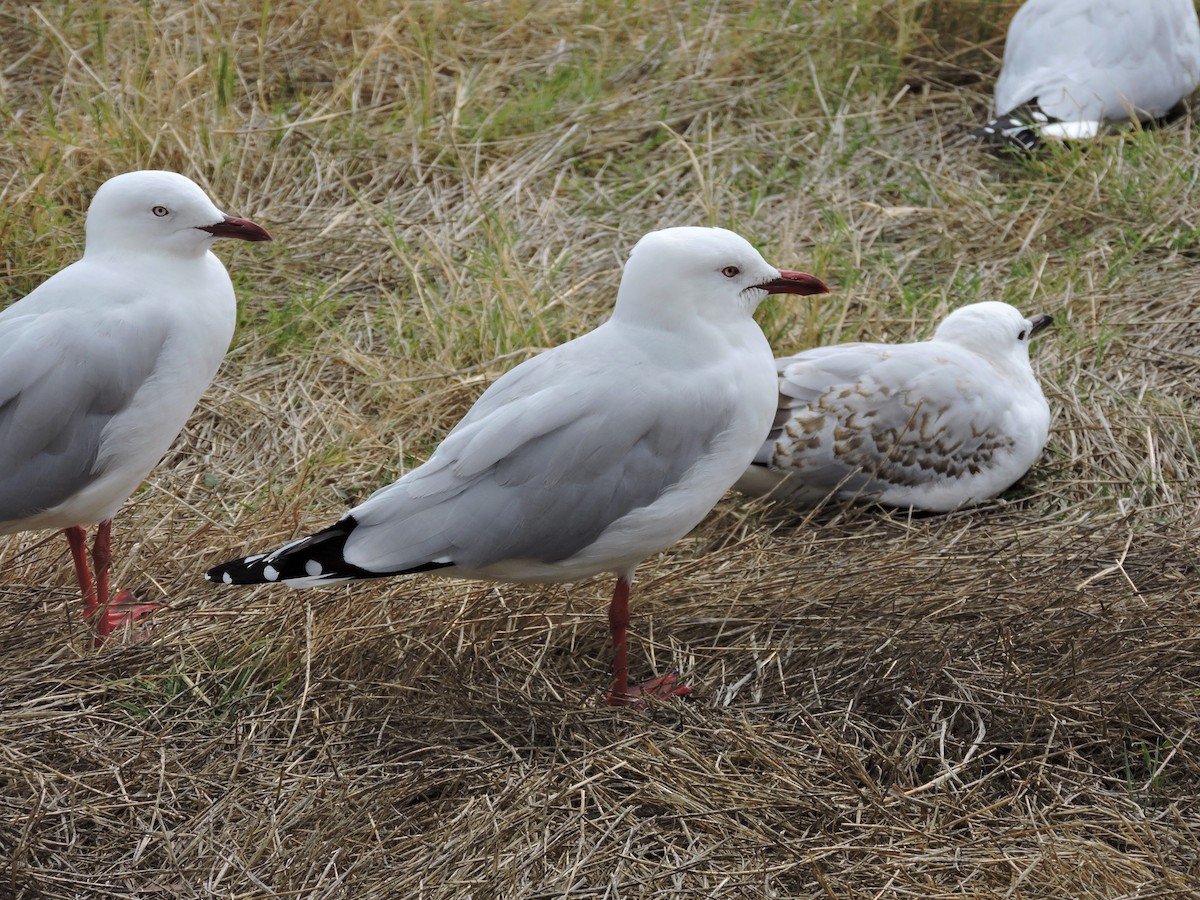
<point>1072,65</point>
<point>933,425</point>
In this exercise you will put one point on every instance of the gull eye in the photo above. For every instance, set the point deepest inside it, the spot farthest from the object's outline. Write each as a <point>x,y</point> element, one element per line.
<point>1021,335</point>
<point>161,211</point>
<point>731,271</point>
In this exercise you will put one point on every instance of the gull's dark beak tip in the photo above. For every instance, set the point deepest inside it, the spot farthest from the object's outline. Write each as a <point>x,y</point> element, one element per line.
<point>238,229</point>
<point>1039,322</point>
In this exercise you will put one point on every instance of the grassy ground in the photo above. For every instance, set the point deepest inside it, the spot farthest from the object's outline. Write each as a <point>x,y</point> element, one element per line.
<point>997,703</point>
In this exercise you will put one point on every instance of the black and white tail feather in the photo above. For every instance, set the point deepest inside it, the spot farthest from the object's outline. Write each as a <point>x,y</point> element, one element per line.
<point>1015,130</point>
<point>318,559</point>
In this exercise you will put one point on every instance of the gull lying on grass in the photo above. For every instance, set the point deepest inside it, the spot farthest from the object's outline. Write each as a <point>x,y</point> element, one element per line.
<point>101,365</point>
<point>586,458</point>
<point>933,425</point>
<point>1072,65</point>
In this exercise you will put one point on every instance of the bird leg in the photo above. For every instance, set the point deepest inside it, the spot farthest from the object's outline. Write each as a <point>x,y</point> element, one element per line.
<point>621,694</point>
<point>109,614</point>
<point>618,628</point>
<point>77,538</point>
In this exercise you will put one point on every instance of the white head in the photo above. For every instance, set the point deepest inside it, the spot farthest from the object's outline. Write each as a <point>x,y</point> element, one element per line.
<point>991,329</point>
<point>162,212</point>
<point>706,272</point>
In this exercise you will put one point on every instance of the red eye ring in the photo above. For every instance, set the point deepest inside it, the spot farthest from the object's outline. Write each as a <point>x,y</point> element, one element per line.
<point>731,271</point>
<point>161,211</point>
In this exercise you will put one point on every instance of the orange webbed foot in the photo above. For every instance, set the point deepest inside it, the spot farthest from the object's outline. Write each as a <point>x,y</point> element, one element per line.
<point>124,613</point>
<point>639,696</point>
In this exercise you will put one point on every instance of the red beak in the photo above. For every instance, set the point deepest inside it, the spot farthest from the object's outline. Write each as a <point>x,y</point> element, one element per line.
<point>794,283</point>
<point>242,229</point>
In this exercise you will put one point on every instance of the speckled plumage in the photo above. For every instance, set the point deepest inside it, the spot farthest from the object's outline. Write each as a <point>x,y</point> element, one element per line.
<point>933,425</point>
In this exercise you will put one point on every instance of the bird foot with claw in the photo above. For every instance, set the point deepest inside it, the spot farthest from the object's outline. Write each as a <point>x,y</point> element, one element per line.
<point>640,696</point>
<point>124,613</point>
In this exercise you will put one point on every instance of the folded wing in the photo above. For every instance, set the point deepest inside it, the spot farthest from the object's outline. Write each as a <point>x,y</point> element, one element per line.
<point>60,387</point>
<point>884,421</point>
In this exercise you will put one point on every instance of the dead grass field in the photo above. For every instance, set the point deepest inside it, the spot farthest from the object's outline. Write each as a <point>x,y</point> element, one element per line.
<point>997,703</point>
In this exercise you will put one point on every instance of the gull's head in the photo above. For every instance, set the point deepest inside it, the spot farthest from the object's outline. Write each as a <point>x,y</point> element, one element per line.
<point>708,272</point>
<point>160,212</point>
<point>992,329</point>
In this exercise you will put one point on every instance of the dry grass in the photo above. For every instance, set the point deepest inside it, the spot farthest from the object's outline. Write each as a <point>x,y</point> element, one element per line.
<point>1000,703</point>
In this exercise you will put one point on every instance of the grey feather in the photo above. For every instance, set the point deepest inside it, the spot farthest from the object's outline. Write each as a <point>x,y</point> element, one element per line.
<point>59,388</point>
<point>540,475</point>
<point>1095,59</point>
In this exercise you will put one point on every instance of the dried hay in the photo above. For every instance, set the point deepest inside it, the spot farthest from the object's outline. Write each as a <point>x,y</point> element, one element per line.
<point>994,703</point>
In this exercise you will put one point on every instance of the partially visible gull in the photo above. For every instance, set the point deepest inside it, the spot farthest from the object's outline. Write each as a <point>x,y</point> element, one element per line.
<point>1070,66</point>
<point>101,365</point>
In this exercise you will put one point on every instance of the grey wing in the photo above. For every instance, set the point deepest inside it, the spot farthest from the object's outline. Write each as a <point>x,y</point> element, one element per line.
<point>1040,65</point>
<point>880,418</point>
<point>537,475</point>
<point>1118,54</point>
<point>1139,56</point>
<point>60,385</point>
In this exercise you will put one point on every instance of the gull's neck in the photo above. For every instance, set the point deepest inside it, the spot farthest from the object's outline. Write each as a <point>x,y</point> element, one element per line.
<point>122,253</point>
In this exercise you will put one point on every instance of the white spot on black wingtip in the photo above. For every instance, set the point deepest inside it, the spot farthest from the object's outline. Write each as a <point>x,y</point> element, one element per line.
<point>227,578</point>
<point>270,573</point>
<point>313,568</point>
<point>1018,129</point>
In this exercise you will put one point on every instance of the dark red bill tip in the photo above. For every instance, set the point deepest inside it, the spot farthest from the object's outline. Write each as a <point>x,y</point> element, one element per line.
<point>790,282</point>
<point>1040,321</point>
<point>241,229</point>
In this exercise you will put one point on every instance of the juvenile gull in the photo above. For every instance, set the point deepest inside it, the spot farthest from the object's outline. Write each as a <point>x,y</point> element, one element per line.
<point>586,458</point>
<point>101,365</point>
<point>1072,65</point>
<point>932,425</point>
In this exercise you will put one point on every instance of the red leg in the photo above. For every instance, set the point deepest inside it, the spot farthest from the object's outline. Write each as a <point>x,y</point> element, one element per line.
<point>102,560</point>
<point>618,630</point>
<point>77,537</point>
<point>112,613</point>
<point>621,694</point>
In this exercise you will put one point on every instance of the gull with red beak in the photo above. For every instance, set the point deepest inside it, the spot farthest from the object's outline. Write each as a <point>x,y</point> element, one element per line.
<point>101,365</point>
<point>587,458</point>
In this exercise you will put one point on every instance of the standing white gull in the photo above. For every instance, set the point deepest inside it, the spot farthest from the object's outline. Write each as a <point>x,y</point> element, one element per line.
<point>1072,65</point>
<point>586,458</point>
<point>101,365</point>
<point>932,425</point>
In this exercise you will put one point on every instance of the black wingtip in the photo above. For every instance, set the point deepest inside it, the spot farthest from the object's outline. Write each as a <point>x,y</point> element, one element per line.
<point>317,559</point>
<point>313,559</point>
<point>1015,131</point>
<point>246,570</point>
